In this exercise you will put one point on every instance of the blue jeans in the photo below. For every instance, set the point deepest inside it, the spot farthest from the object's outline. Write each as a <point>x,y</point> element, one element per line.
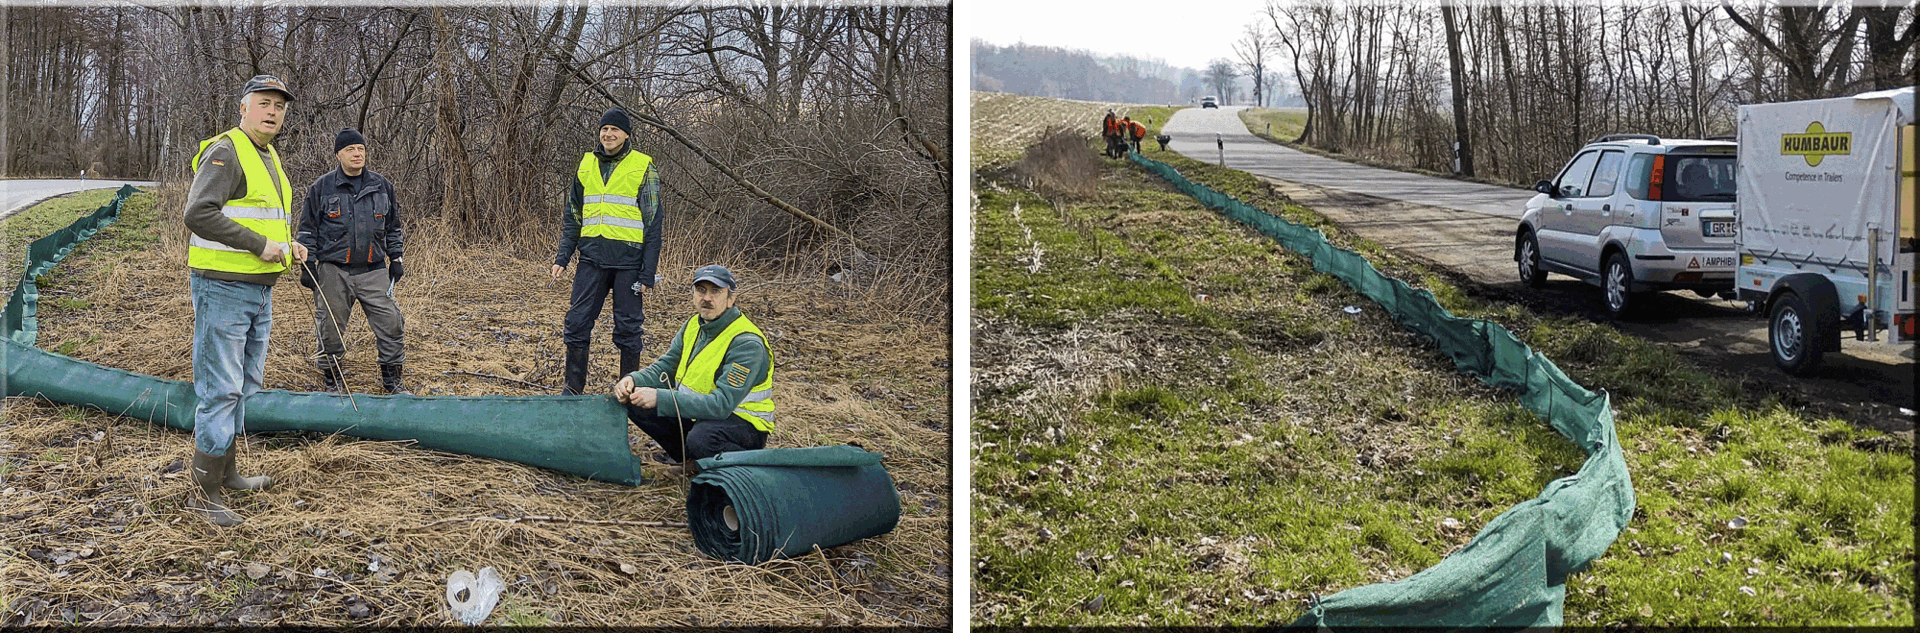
<point>231,320</point>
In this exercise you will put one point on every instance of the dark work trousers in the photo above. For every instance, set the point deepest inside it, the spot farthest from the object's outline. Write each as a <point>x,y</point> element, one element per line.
<point>591,285</point>
<point>336,291</point>
<point>699,438</point>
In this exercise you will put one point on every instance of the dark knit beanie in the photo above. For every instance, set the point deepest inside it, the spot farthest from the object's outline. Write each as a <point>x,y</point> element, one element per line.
<point>347,137</point>
<point>617,118</point>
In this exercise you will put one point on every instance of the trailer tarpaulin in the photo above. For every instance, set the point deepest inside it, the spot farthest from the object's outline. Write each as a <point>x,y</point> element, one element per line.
<point>1814,174</point>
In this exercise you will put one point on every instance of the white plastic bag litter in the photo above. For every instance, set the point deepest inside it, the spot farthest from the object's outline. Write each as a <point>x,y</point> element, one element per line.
<point>472,598</point>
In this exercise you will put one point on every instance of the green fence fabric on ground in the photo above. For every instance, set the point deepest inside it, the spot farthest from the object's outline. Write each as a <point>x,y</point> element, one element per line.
<point>1514,572</point>
<point>785,501</point>
<point>579,435</point>
<point>17,321</point>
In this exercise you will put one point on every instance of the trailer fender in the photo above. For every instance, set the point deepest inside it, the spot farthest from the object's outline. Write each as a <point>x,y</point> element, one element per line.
<point>1821,297</point>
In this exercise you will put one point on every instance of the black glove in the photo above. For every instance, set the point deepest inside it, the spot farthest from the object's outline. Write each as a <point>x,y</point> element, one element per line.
<point>394,271</point>
<point>306,276</point>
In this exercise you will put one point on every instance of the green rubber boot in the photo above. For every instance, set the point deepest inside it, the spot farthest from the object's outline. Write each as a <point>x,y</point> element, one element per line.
<point>204,499</point>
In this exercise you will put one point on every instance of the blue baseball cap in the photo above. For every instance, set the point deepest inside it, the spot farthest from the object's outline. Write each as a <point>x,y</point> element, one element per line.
<point>715,273</point>
<point>267,82</point>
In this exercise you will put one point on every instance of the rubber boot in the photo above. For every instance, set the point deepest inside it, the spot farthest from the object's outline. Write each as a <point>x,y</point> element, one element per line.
<point>629,363</point>
<point>231,474</point>
<point>207,472</point>
<point>576,373</point>
<point>330,372</point>
<point>390,379</point>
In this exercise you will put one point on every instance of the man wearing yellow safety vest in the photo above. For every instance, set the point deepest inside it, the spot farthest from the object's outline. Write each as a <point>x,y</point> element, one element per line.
<point>712,392</point>
<point>613,220</point>
<point>239,212</point>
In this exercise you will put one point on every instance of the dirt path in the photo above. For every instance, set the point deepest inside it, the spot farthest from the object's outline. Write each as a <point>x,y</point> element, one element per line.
<point>1452,224</point>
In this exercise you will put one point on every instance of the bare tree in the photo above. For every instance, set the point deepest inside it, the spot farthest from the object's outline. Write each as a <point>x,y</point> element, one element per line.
<point>1457,67</point>
<point>1253,51</point>
<point>481,113</point>
<point>1220,76</point>
<point>1812,50</point>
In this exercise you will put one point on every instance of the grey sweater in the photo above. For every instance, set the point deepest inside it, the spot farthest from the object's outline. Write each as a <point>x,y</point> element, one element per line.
<point>213,186</point>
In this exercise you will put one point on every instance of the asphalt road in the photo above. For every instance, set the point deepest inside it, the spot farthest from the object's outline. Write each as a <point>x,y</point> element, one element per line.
<point>1194,130</point>
<point>20,194</point>
<point>1467,228</point>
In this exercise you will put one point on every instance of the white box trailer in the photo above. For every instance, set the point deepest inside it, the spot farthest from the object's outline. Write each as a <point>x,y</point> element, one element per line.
<point>1826,215</point>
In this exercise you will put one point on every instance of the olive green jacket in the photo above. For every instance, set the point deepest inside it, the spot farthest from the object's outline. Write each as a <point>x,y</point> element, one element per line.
<point>748,353</point>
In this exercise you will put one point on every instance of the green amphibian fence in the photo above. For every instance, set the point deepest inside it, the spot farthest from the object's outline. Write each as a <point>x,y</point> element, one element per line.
<point>18,322</point>
<point>1514,572</point>
<point>579,435</point>
<point>754,506</point>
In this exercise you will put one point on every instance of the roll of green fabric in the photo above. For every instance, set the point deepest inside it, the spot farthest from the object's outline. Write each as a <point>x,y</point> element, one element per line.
<point>754,506</point>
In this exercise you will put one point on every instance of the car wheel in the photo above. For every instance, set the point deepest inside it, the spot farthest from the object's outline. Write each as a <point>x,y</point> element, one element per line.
<point>1793,335</point>
<point>1527,253</point>
<point>1617,281</point>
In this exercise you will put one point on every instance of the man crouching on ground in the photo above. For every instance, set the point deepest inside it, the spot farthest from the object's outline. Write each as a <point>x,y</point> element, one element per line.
<point>712,391</point>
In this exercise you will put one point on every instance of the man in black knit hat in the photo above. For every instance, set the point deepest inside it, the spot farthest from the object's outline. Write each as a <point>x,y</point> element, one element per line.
<point>613,220</point>
<point>351,224</point>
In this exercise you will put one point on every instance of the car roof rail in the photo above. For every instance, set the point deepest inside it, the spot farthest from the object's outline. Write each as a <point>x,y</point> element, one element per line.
<point>1724,137</point>
<point>1649,138</point>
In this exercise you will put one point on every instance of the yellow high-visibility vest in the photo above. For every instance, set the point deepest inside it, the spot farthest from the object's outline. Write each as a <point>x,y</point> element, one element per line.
<point>611,208</point>
<point>263,210</point>
<point>697,374</point>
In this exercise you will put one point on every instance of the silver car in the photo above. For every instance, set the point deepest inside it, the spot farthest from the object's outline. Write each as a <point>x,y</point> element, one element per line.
<point>1634,213</point>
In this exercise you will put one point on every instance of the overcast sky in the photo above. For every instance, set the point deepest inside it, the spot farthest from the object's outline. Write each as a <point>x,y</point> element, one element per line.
<point>1188,33</point>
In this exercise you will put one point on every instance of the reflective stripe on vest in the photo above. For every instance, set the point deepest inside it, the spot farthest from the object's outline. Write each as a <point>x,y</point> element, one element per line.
<point>698,374</point>
<point>263,210</point>
<point>611,208</point>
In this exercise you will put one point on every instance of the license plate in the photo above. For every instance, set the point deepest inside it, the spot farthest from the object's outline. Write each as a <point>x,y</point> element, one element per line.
<point>1721,228</point>
<point>1717,262</point>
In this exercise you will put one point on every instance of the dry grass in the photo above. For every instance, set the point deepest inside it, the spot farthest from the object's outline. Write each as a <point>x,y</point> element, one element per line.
<point>94,531</point>
<point>1061,165</point>
<point>1004,124</point>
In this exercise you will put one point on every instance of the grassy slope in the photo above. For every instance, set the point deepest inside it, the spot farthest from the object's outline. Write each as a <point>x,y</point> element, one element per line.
<point>1237,466</point>
<point>34,222</point>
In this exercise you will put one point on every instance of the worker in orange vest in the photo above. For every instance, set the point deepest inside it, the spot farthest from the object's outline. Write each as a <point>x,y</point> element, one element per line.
<point>1135,132</point>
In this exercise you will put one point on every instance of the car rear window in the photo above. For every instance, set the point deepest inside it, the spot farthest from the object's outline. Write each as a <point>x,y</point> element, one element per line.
<point>1698,179</point>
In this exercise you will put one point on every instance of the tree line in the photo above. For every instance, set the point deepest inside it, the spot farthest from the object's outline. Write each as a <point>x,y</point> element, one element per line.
<point>1062,73</point>
<point>1520,87</point>
<point>778,130</point>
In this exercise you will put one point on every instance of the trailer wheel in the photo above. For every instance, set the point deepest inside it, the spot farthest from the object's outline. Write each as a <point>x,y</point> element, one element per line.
<point>1794,335</point>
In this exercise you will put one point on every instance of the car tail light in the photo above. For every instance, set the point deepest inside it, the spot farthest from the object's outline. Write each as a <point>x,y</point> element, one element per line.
<point>1657,178</point>
<point>1906,324</point>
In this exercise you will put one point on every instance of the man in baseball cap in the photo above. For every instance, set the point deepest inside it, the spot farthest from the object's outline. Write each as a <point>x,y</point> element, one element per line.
<point>712,392</point>
<point>238,210</point>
